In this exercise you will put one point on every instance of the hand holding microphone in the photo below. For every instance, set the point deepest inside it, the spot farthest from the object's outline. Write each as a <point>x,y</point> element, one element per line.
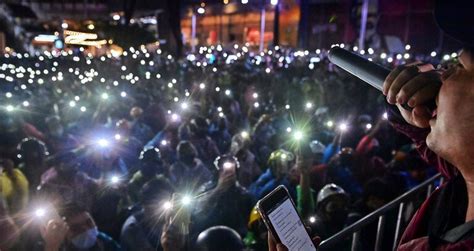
<point>412,87</point>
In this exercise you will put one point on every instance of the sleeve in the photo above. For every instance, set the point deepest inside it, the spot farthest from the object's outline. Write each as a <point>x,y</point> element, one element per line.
<point>300,201</point>
<point>418,136</point>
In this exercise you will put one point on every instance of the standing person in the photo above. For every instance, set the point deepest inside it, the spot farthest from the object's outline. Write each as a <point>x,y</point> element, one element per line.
<point>32,153</point>
<point>189,172</point>
<point>13,186</point>
<point>76,231</point>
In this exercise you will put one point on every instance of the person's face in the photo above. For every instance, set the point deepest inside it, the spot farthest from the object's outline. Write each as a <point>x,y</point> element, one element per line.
<point>452,129</point>
<point>79,223</point>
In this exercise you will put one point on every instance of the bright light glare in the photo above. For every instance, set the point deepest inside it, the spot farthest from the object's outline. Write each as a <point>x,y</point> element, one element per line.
<point>83,108</point>
<point>312,219</point>
<point>244,134</point>
<point>114,179</point>
<point>174,117</point>
<point>385,116</point>
<point>164,142</point>
<point>103,143</point>
<point>10,108</point>
<point>273,2</point>
<point>26,103</point>
<point>40,212</point>
<point>368,126</point>
<point>309,105</point>
<point>104,96</point>
<point>186,200</point>
<point>298,135</point>
<point>184,106</point>
<point>201,10</point>
<point>8,94</point>
<point>123,94</point>
<point>202,86</point>
<point>72,103</point>
<point>167,205</point>
<point>118,136</point>
<point>343,127</point>
<point>255,95</point>
<point>329,124</point>
<point>228,165</point>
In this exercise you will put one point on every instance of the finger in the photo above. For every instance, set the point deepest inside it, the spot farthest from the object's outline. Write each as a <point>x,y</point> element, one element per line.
<point>390,78</point>
<point>422,96</point>
<point>281,247</point>
<point>411,87</point>
<point>271,242</point>
<point>421,116</point>
<point>404,76</point>
<point>426,67</point>
<point>316,241</point>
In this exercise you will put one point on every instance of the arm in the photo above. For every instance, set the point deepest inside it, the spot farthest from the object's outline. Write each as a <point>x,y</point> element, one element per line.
<point>305,202</point>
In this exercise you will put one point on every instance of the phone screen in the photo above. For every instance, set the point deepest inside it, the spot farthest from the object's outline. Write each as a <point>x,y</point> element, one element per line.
<point>289,228</point>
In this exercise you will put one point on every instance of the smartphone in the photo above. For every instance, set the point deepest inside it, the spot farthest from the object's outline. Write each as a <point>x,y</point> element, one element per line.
<point>279,213</point>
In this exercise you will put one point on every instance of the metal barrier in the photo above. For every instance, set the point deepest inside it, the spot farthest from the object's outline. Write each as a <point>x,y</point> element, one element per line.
<point>380,214</point>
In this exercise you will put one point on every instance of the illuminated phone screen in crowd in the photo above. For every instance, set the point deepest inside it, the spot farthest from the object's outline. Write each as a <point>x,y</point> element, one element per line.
<point>290,229</point>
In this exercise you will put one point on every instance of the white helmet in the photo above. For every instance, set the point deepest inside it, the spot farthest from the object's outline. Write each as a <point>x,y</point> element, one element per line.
<point>328,191</point>
<point>317,147</point>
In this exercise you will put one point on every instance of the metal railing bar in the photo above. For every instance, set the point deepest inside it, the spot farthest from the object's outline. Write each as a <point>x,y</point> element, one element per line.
<point>380,229</point>
<point>355,241</point>
<point>358,225</point>
<point>429,190</point>
<point>399,225</point>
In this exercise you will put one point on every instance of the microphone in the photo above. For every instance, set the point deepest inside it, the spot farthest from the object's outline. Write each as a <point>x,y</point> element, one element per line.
<point>367,71</point>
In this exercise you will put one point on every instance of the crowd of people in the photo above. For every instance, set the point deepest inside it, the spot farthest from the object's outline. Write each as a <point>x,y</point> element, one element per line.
<point>149,152</point>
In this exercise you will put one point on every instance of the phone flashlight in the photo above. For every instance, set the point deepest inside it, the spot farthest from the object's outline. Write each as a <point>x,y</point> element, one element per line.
<point>167,205</point>
<point>186,200</point>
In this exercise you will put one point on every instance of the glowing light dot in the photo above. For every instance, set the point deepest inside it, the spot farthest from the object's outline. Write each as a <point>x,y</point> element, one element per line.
<point>385,116</point>
<point>103,142</point>
<point>227,92</point>
<point>8,94</point>
<point>288,129</point>
<point>72,103</point>
<point>167,205</point>
<point>244,134</point>
<point>118,136</point>
<point>368,126</point>
<point>9,108</point>
<point>83,109</point>
<point>186,200</point>
<point>312,219</point>
<point>268,70</point>
<point>184,106</point>
<point>298,135</point>
<point>218,89</point>
<point>77,98</point>
<point>114,179</point>
<point>329,124</point>
<point>343,127</point>
<point>287,107</point>
<point>309,105</point>
<point>255,95</point>
<point>40,212</point>
<point>164,142</point>
<point>228,165</point>
<point>123,94</point>
<point>26,103</point>
<point>104,96</point>
<point>202,86</point>
<point>256,104</point>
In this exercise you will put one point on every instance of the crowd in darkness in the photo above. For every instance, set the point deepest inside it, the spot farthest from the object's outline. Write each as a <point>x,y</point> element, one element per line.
<point>149,152</point>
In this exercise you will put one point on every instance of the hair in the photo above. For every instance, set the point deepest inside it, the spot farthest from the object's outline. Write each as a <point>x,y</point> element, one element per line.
<point>155,187</point>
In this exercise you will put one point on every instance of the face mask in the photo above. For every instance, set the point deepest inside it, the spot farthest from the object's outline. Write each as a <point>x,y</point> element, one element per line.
<point>86,240</point>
